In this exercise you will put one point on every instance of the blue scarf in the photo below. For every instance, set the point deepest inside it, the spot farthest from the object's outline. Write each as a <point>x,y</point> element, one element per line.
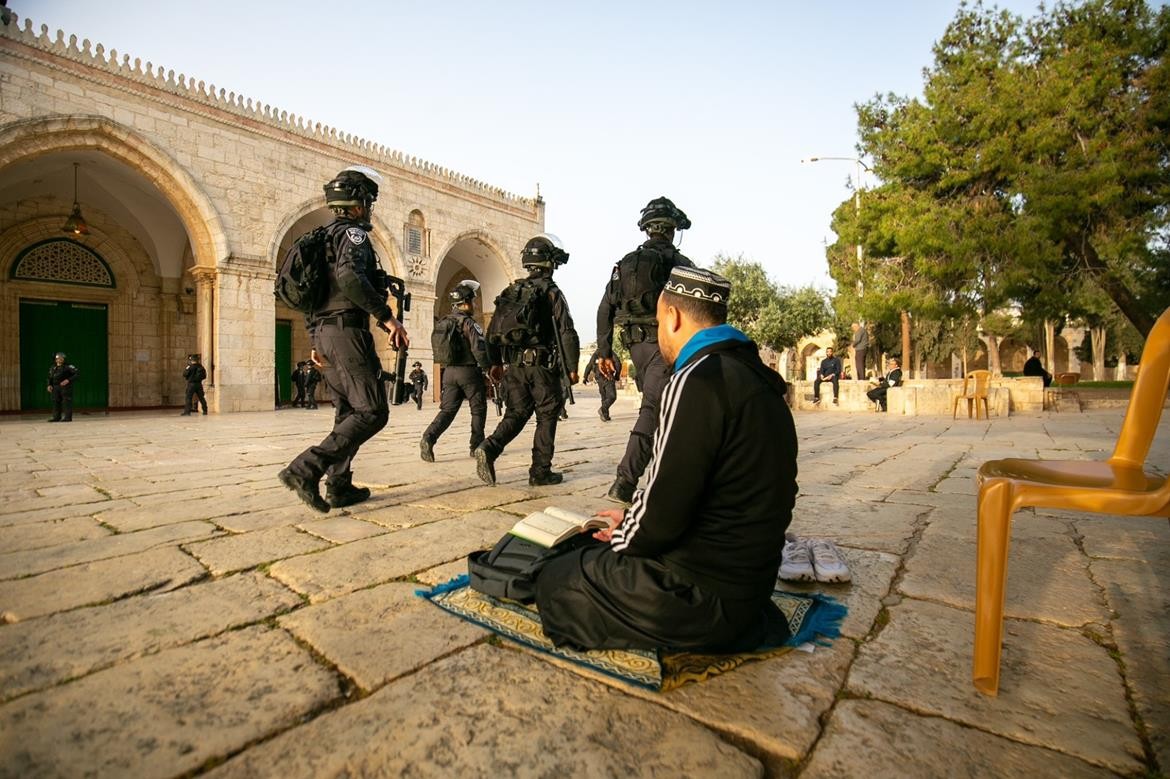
<point>706,337</point>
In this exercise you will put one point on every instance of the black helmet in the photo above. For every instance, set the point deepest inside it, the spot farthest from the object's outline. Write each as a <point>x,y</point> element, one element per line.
<point>661,211</point>
<point>357,185</point>
<point>464,292</point>
<point>544,251</point>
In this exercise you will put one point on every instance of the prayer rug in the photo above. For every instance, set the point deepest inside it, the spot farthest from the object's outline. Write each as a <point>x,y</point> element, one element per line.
<point>811,618</point>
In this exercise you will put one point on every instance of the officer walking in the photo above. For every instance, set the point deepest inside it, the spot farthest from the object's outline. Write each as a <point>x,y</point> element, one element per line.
<point>340,332</point>
<point>532,333</point>
<point>418,384</point>
<point>194,374</point>
<point>298,380</point>
<point>61,376</point>
<point>605,385</point>
<point>459,344</point>
<point>311,377</point>
<point>629,303</point>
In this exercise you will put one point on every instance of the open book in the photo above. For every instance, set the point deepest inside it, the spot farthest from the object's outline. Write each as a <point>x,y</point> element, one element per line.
<point>554,525</point>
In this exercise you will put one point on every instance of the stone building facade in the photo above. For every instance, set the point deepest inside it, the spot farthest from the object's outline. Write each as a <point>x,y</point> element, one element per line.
<point>192,194</point>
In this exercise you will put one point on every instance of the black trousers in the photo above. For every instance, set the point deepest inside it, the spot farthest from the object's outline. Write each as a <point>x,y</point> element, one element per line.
<point>194,392</point>
<point>529,389</point>
<point>63,401</point>
<point>300,396</point>
<point>650,374</point>
<point>608,390</point>
<point>817,387</point>
<point>459,383</point>
<point>359,401</point>
<point>416,392</point>
<point>311,395</point>
<point>595,598</point>
<point>878,393</point>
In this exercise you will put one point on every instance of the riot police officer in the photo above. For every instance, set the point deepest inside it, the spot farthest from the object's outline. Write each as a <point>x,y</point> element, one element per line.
<point>629,304</point>
<point>194,374</point>
<point>298,380</point>
<point>459,344</point>
<point>61,376</point>
<point>606,386</point>
<point>418,384</point>
<point>340,332</point>
<point>531,333</point>
<point>311,378</point>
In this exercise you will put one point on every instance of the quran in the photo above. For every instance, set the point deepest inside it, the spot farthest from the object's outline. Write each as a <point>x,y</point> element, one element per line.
<point>553,525</point>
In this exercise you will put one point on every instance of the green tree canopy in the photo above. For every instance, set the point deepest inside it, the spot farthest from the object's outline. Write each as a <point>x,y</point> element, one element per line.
<point>772,316</point>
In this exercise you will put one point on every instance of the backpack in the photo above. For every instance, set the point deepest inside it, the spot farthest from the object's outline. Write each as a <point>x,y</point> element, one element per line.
<point>303,279</point>
<point>520,317</point>
<point>510,568</point>
<point>642,274</point>
<point>448,343</point>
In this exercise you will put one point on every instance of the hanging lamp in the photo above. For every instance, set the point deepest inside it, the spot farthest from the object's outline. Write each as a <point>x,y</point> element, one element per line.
<point>75,224</point>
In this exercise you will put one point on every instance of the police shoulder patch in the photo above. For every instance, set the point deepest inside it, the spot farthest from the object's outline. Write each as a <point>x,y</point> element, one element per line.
<point>615,275</point>
<point>356,235</point>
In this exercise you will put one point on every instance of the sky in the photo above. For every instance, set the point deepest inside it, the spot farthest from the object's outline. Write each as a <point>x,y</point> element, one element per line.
<point>605,105</point>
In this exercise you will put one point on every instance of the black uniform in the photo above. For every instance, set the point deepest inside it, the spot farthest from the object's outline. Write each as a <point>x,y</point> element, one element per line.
<point>194,374</point>
<point>311,378</point>
<point>61,385</point>
<point>418,385</point>
<point>629,303</point>
<point>340,332</point>
<point>694,561</point>
<point>606,386</point>
<point>298,379</point>
<point>463,379</point>
<point>532,378</point>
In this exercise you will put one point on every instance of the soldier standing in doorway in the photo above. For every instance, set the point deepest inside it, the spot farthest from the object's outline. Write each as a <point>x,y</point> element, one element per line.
<point>532,333</point>
<point>298,380</point>
<point>194,374</point>
<point>61,376</point>
<point>340,332</point>
<point>311,377</point>
<point>459,345</point>
<point>629,303</point>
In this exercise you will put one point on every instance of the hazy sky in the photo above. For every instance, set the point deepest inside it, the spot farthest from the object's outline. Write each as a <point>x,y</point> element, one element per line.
<point>606,105</point>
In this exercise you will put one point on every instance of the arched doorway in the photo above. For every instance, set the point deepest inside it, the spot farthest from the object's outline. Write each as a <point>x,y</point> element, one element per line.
<point>118,299</point>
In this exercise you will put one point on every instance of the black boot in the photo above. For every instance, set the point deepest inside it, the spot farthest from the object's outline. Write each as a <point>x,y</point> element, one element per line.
<point>621,492</point>
<point>306,490</point>
<point>426,450</point>
<point>485,465</point>
<point>340,492</point>
<point>543,478</point>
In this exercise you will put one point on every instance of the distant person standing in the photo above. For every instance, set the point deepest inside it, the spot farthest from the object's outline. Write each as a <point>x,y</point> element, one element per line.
<point>459,345</point>
<point>606,386</point>
<point>1033,367</point>
<point>830,371</point>
<point>298,380</point>
<point>61,377</point>
<point>418,384</point>
<point>629,304</point>
<point>860,346</point>
<point>311,377</point>
<point>194,374</point>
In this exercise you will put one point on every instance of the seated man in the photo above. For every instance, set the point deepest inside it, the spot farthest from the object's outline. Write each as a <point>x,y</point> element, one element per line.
<point>693,562</point>
<point>893,378</point>
<point>830,370</point>
<point>1033,367</point>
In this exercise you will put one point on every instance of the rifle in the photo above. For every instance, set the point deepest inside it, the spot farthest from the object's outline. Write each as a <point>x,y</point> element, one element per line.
<point>566,382</point>
<point>396,288</point>
<point>497,396</point>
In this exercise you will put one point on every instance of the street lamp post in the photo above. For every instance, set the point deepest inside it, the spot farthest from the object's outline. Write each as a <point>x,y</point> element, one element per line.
<point>856,211</point>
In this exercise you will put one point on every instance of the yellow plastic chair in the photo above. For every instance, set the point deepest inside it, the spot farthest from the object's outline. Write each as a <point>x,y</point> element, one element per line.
<point>1119,485</point>
<point>975,386</point>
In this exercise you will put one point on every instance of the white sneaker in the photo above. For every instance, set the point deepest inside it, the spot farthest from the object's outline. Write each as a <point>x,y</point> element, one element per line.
<point>795,563</point>
<point>828,561</point>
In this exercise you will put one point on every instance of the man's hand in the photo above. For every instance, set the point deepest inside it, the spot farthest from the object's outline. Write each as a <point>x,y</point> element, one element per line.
<point>497,373</point>
<point>398,336</point>
<point>49,389</point>
<point>615,518</point>
<point>65,382</point>
<point>573,377</point>
<point>606,367</point>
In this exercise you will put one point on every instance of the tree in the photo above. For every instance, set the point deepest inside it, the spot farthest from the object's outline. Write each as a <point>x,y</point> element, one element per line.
<point>776,317</point>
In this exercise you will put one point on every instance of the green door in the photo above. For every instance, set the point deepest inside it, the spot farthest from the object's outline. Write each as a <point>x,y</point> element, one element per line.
<point>284,361</point>
<point>79,330</point>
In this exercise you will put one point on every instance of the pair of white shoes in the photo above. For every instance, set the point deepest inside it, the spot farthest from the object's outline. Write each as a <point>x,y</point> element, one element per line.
<point>812,559</point>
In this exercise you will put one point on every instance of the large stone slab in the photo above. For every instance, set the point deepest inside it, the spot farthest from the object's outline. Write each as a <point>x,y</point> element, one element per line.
<point>81,493</point>
<point>490,711</point>
<point>1057,688</point>
<point>380,559</point>
<point>40,560</point>
<point>920,468</point>
<point>1048,577</point>
<point>195,507</point>
<point>399,515</point>
<point>884,527</point>
<point>875,739</point>
<point>169,713</point>
<point>474,499</point>
<point>161,569</point>
<point>247,550</point>
<point>375,635</point>
<point>18,538</point>
<point>1130,538</point>
<point>341,530</point>
<point>60,512</point>
<point>36,654</point>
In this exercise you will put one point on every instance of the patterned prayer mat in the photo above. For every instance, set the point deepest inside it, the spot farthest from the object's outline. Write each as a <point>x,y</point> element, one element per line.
<point>811,618</point>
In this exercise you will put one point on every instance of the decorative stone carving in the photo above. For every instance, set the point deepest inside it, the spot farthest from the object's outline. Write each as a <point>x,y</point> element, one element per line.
<point>65,262</point>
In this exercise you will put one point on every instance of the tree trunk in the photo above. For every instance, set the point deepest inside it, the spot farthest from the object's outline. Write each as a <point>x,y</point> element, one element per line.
<point>1050,345</point>
<point>906,340</point>
<point>1115,288</point>
<point>993,355</point>
<point>1097,334</point>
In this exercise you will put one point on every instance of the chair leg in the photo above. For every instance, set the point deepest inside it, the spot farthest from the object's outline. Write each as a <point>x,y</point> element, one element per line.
<point>993,534</point>
<point>986,410</point>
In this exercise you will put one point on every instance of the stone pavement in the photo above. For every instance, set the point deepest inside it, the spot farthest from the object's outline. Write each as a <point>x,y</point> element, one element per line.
<point>169,609</point>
